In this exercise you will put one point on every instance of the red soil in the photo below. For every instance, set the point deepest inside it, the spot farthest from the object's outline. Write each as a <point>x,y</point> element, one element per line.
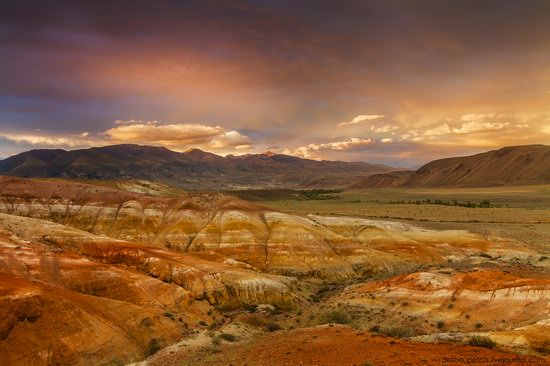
<point>341,346</point>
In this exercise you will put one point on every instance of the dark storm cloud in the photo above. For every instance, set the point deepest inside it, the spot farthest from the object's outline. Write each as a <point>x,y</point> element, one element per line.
<point>77,66</point>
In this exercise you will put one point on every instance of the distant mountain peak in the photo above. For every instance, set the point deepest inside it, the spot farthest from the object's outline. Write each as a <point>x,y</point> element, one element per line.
<point>269,154</point>
<point>192,149</point>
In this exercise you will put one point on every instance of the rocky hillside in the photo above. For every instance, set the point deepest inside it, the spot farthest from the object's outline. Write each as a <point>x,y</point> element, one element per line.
<point>383,180</point>
<point>507,166</point>
<point>191,169</point>
<point>514,165</point>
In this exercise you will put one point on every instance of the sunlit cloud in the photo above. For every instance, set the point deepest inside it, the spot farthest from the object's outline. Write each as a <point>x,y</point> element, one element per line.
<point>314,151</point>
<point>167,134</point>
<point>135,122</point>
<point>441,130</point>
<point>44,141</point>
<point>469,127</point>
<point>231,139</point>
<point>175,136</point>
<point>362,118</point>
<point>384,129</point>
<point>179,136</point>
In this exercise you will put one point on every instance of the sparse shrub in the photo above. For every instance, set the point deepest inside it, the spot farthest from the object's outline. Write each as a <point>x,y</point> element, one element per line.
<point>272,327</point>
<point>542,258</point>
<point>440,324</point>
<point>478,325</point>
<point>375,328</point>
<point>255,320</point>
<point>203,323</point>
<point>337,316</point>
<point>397,332</point>
<point>250,308</point>
<point>212,349</point>
<point>314,298</point>
<point>169,314</point>
<point>228,337</point>
<point>153,347</point>
<point>481,341</point>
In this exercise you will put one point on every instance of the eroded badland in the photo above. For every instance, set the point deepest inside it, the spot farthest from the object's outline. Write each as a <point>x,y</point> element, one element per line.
<point>109,274</point>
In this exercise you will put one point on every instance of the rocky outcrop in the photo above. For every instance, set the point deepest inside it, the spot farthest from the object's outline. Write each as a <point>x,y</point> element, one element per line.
<point>256,238</point>
<point>512,310</point>
<point>98,300</point>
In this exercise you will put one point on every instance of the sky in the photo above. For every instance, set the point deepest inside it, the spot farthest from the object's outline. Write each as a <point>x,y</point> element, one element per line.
<point>393,82</point>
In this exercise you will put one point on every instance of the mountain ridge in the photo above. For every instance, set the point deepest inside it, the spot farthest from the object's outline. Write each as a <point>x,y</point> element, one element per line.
<point>191,169</point>
<point>510,165</point>
<point>195,169</point>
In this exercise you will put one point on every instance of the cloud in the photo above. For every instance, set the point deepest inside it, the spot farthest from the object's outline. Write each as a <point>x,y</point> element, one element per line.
<point>172,134</point>
<point>383,129</point>
<point>135,122</point>
<point>546,129</point>
<point>362,118</point>
<point>313,151</point>
<point>471,123</point>
<point>475,126</point>
<point>72,142</point>
<point>441,130</point>
<point>178,135</point>
<point>175,136</point>
<point>476,117</point>
<point>231,139</point>
<point>386,141</point>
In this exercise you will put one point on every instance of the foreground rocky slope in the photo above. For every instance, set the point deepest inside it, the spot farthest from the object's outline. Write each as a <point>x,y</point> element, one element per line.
<point>90,299</point>
<point>453,305</point>
<point>337,345</point>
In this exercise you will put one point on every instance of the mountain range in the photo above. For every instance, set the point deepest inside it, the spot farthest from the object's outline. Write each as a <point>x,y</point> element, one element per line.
<point>197,169</point>
<point>192,169</point>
